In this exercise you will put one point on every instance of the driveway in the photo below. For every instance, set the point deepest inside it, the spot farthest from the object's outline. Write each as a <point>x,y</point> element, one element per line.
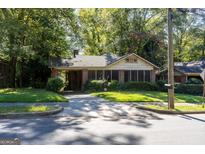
<point>90,120</point>
<point>85,105</point>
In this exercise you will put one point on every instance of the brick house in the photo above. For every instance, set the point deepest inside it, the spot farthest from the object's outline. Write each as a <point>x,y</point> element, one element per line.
<point>184,71</point>
<point>82,68</point>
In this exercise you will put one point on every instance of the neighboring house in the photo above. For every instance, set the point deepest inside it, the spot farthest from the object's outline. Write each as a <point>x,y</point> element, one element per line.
<point>3,73</point>
<point>184,71</point>
<point>81,69</point>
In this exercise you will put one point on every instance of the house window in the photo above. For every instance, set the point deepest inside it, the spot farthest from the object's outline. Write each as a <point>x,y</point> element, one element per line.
<point>147,76</point>
<point>108,75</point>
<point>134,75</point>
<point>127,60</point>
<point>131,60</point>
<point>91,75</point>
<point>127,76</point>
<point>140,76</point>
<point>115,75</point>
<point>99,75</point>
<point>135,60</point>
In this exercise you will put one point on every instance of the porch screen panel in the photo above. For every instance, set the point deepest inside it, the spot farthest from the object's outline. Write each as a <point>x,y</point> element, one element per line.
<point>147,76</point>
<point>134,75</point>
<point>99,75</point>
<point>108,75</point>
<point>91,75</point>
<point>127,76</point>
<point>140,76</point>
<point>115,75</point>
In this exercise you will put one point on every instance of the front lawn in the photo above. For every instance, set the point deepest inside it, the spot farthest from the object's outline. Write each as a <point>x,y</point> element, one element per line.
<point>146,96</point>
<point>178,108</point>
<point>20,109</point>
<point>30,95</point>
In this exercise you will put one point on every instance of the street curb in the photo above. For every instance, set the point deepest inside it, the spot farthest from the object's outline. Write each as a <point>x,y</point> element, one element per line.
<point>25,103</point>
<point>169,112</point>
<point>31,114</point>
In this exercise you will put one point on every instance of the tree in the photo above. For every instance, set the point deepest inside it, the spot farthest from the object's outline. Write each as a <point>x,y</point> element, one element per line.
<point>32,36</point>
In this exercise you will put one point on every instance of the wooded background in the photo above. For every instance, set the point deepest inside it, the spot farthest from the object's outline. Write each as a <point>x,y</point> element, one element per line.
<point>30,36</point>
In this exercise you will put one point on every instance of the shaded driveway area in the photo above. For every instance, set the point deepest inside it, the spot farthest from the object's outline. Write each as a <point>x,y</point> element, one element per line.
<point>90,120</point>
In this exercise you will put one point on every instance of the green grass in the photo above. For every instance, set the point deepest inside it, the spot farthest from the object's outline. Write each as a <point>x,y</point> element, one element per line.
<point>30,95</point>
<point>20,109</point>
<point>146,96</point>
<point>178,108</point>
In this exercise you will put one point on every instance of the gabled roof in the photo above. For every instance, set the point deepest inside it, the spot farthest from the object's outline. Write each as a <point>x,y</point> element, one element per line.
<point>125,56</point>
<point>91,61</point>
<point>84,61</point>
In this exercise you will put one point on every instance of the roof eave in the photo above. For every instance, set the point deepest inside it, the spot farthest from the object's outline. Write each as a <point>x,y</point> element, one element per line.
<point>136,56</point>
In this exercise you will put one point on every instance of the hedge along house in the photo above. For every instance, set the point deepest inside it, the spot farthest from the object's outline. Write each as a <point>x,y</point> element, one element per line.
<point>185,70</point>
<point>81,69</point>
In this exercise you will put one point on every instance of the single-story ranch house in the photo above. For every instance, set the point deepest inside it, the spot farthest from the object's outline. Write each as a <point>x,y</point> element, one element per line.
<point>185,70</point>
<point>82,68</point>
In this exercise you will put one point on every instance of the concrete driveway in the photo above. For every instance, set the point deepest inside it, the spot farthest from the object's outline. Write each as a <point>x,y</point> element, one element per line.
<point>90,120</point>
<point>85,105</point>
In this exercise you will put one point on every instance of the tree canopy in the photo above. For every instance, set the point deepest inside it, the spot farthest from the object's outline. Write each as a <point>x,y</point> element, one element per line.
<point>30,36</point>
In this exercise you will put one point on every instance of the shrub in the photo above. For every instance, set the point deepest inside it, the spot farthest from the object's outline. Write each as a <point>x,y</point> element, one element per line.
<point>114,85</point>
<point>194,89</point>
<point>96,85</point>
<point>161,85</point>
<point>55,84</point>
<point>131,85</point>
<point>194,81</point>
<point>99,85</point>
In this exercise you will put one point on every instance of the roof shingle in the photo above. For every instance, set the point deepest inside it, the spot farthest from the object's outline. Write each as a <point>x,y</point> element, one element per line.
<point>191,67</point>
<point>84,61</point>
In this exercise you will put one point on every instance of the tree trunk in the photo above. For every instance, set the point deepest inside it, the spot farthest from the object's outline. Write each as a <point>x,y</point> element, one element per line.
<point>21,74</point>
<point>13,72</point>
<point>203,51</point>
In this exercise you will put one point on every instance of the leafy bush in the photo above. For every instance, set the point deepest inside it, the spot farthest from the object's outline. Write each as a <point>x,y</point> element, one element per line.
<point>114,85</point>
<point>131,85</point>
<point>161,85</point>
<point>194,81</point>
<point>99,85</point>
<point>194,89</point>
<point>96,85</point>
<point>55,84</point>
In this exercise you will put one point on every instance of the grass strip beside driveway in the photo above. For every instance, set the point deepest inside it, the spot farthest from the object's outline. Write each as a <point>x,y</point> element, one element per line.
<point>178,108</point>
<point>145,96</point>
<point>29,95</point>
<point>26,109</point>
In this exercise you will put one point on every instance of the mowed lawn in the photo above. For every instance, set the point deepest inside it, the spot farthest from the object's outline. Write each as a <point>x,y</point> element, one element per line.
<point>30,95</point>
<point>178,108</point>
<point>146,96</point>
<point>20,109</point>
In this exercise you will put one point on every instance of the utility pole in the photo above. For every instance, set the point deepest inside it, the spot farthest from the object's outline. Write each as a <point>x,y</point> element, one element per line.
<point>170,61</point>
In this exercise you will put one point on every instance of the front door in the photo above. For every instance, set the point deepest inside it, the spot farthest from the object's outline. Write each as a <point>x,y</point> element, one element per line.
<point>74,80</point>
